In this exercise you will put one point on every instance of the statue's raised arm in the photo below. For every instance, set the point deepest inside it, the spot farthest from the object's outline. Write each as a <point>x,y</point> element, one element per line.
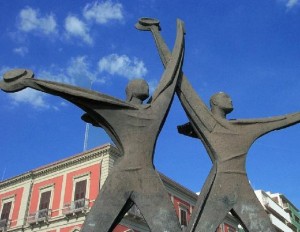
<point>168,83</point>
<point>201,115</point>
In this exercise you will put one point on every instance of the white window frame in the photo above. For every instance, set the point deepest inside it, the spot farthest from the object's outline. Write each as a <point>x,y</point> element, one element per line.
<point>7,199</point>
<point>183,208</point>
<point>85,176</point>
<point>43,189</point>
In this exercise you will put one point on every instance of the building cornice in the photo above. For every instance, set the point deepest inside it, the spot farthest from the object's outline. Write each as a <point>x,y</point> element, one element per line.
<point>15,180</point>
<point>176,187</point>
<point>61,164</point>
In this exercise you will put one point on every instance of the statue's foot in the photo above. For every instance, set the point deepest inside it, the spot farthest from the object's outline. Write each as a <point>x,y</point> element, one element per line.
<point>13,80</point>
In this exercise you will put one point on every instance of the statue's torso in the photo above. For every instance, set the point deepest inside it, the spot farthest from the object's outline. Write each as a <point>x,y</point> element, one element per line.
<point>136,132</point>
<point>228,146</point>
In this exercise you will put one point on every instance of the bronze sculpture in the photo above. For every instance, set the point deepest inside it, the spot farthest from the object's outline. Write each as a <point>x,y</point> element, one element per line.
<point>227,142</point>
<point>134,128</point>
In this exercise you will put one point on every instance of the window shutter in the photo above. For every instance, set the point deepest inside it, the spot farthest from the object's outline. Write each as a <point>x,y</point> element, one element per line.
<point>80,190</point>
<point>183,217</point>
<point>45,200</point>
<point>6,211</point>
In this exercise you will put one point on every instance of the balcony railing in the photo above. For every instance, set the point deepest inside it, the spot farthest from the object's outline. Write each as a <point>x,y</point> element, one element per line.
<point>40,216</point>
<point>272,206</point>
<point>279,224</point>
<point>78,206</point>
<point>4,225</point>
<point>286,207</point>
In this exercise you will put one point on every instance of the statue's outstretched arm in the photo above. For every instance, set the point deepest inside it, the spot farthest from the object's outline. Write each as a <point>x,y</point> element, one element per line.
<point>196,110</point>
<point>289,120</point>
<point>18,79</point>
<point>266,125</point>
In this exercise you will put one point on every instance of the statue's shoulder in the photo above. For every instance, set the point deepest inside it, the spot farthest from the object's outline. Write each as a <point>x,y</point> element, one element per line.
<point>224,126</point>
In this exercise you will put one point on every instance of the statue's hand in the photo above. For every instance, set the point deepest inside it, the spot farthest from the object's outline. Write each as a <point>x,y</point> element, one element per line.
<point>13,80</point>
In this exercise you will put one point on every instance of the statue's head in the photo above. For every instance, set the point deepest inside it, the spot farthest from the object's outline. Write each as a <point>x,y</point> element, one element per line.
<point>222,101</point>
<point>138,89</point>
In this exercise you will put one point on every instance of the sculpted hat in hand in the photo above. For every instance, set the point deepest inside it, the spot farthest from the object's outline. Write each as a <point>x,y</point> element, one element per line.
<point>12,80</point>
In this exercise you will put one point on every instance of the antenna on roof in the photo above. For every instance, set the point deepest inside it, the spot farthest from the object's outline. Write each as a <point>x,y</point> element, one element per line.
<point>3,174</point>
<point>87,127</point>
<point>86,136</point>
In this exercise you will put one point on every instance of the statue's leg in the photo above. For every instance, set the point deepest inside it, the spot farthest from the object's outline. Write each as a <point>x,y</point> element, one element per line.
<point>201,199</point>
<point>216,206</point>
<point>109,208</point>
<point>155,204</point>
<point>251,212</point>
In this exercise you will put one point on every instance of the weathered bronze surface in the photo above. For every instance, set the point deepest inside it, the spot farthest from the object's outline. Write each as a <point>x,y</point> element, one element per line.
<point>227,142</point>
<point>134,128</point>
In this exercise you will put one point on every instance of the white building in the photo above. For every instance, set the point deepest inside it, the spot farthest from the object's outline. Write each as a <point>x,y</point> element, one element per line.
<point>274,206</point>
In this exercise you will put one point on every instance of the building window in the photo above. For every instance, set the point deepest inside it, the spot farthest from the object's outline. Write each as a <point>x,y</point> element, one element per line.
<point>80,190</point>
<point>183,213</point>
<point>81,187</point>
<point>43,211</point>
<point>6,211</point>
<point>45,200</point>
<point>229,228</point>
<point>79,201</point>
<point>80,194</point>
<point>183,217</point>
<point>44,204</point>
<point>220,229</point>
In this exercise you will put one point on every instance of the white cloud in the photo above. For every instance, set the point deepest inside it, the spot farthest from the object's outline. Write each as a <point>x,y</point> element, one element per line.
<point>29,96</point>
<point>152,85</point>
<point>34,98</point>
<point>289,4</point>
<point>57,76</point>
<point>122,66</point>
<point>77,28</point>
<point>78,72</point>
<point>292,3</point>
<point>22,51</point>
<point>31,20</point>
<point>102,12</point>
<point>4,69</point>
<point>80,68</point>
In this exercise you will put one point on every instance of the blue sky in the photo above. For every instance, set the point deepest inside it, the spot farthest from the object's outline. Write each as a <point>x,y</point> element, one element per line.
<point>249,49</point>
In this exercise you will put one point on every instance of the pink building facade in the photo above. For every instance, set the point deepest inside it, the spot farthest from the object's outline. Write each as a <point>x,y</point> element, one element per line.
<point>57,197</point>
